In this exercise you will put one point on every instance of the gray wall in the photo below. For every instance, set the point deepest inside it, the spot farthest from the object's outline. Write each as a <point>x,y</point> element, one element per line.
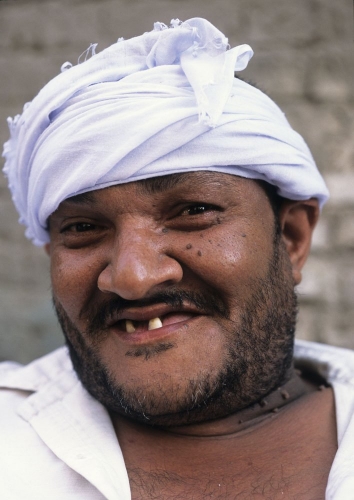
<point>303,59</point>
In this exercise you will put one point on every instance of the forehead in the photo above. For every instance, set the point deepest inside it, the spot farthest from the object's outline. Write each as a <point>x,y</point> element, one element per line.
<point>201,180</point>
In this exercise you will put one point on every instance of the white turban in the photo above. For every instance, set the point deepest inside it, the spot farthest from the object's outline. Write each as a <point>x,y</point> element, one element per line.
<point>161,103</point>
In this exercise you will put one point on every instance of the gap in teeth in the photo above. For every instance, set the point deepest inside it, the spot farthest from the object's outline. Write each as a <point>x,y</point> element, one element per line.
<point>153,324</point>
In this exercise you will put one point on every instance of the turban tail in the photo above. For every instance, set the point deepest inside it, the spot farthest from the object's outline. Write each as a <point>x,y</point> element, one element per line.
<point>161,103</point>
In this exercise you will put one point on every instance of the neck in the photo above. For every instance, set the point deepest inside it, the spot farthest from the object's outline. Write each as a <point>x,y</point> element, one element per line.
<point>264,409</point>
<point>253,415</point>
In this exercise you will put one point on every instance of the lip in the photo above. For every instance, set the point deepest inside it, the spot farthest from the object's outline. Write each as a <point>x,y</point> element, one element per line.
<point>150,312</point>
<point>174,319</point>
<point>149,336</point>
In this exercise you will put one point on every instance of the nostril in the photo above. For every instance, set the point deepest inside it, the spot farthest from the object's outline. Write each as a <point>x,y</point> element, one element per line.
<point>133,274</point>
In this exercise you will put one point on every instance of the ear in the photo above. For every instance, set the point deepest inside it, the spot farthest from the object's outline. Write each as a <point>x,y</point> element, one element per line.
<point>298,220</point>
<point>47,248</point>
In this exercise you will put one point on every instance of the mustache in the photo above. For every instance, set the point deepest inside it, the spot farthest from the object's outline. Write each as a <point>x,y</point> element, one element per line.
<point>98,316</point>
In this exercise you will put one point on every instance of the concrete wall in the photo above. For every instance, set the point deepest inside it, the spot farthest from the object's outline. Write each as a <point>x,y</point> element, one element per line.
<point>303,59</point>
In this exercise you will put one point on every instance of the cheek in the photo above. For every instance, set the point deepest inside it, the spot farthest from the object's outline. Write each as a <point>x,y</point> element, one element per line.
<point>74,279</point>
<point>230,259</point>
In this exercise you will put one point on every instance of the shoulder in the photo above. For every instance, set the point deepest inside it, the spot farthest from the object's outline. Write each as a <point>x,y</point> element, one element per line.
<point>29,468</point>
<point>31,377</point>
<point>18,382</point>
<point>335,364</point>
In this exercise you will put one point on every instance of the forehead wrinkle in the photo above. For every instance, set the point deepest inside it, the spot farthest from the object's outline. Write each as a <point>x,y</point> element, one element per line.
<point>161,184</point>
<point>156,185</point>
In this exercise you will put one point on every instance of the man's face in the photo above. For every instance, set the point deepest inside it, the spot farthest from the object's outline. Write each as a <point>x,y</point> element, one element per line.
<point>175,295</point>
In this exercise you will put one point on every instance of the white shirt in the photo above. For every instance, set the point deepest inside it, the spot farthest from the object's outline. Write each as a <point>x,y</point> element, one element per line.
<point>58,443</point>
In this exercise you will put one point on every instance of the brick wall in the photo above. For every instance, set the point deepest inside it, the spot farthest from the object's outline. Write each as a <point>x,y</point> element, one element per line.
<point>303,59</point>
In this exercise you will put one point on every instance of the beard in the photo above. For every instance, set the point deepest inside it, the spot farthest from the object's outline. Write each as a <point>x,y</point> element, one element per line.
<point>258,352</point>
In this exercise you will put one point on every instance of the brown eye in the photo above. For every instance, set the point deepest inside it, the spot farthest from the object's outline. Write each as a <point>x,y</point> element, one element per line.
<point>198,209</point>
<point>84,226</point>
<point>79,227</point>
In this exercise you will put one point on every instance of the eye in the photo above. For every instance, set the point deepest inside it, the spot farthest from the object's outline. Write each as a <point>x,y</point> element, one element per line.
<point>82,234</point>
<point>198,209</point>
<point>78,227</point>
<point>195,216</point>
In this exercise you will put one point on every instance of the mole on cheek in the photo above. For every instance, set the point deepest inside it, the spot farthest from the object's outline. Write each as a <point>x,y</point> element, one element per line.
<point>189,246</point>
<point>199,253</point>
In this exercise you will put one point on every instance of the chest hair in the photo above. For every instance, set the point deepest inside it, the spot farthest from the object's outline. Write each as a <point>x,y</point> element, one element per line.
<point>164,485</point>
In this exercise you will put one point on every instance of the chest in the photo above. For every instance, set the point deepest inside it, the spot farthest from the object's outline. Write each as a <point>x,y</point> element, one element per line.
<point>285,471</point>
<point>289,456</point>
<point>280,480</point>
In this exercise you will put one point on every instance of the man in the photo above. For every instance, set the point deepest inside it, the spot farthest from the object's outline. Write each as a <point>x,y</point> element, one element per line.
<point>177,207</point>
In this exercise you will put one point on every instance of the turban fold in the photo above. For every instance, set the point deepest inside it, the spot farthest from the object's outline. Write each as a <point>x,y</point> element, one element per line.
<point>162,103</point>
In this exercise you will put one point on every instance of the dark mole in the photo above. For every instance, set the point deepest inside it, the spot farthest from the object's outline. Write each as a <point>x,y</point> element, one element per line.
<point>240,421</point>
<point>243,235</point>
<point>189,246</point>
<point>165,230</point>
<point>199,253</point>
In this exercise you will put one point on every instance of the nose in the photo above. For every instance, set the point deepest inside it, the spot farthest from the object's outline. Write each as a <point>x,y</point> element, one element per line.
<point>138,263</point>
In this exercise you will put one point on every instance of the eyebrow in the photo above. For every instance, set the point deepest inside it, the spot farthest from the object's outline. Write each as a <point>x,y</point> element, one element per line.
<point>152,185</point>
<point>85,198</point>
<point>160,184</point>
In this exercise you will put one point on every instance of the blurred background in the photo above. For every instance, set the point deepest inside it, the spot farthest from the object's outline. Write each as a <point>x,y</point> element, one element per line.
<point>304,59</point>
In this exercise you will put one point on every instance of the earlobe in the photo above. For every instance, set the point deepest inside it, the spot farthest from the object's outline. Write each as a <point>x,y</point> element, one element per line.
<point>298,220</point>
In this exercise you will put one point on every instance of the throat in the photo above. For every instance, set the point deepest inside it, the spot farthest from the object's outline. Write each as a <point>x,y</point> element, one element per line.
<point>288,457</point>
<point>266,408</point>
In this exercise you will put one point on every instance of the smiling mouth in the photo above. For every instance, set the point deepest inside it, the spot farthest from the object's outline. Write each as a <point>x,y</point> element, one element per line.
<point>138,326</point>
<point>132,326</point>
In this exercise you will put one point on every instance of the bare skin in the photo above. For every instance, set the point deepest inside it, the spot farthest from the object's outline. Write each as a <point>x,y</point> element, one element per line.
<point>211,238</point>
<point>287,455</point>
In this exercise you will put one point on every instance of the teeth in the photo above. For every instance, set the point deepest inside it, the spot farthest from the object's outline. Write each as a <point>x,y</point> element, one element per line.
<point>129,326</point>
<point>154,323</point>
